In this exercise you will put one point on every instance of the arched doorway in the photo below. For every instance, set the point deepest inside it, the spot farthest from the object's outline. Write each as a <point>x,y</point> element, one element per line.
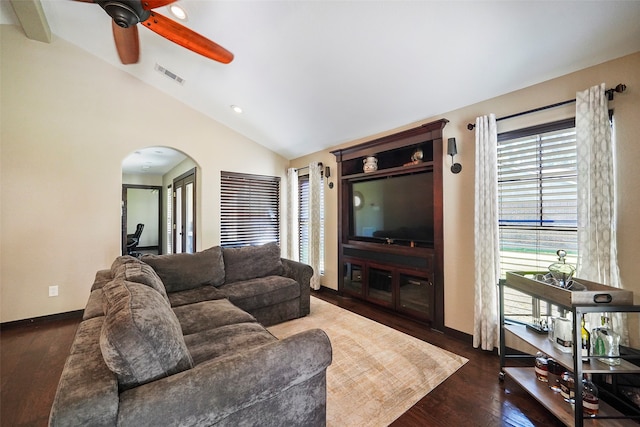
<point>148,176</point>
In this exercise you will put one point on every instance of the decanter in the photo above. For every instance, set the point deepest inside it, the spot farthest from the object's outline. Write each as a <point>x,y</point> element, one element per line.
<point>561,271</point>
<point>606,343</point>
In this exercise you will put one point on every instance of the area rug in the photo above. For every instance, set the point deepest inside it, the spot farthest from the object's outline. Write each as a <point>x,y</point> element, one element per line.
<point>377,373</point>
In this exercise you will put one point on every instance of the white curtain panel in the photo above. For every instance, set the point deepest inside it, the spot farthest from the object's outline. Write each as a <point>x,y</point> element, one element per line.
<point>315,183</point>
<point>597,246</point>
<point>292,251</point>
<point>486,238</point>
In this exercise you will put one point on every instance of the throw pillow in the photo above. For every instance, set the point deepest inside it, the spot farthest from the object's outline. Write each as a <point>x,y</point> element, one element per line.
<point>250,262</point>
<point>144,274</point>
<point>141,339</point>
<point>120,262</point>
<point>180,272</point>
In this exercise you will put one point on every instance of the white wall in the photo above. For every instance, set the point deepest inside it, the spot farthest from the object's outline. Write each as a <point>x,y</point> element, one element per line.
<point>142,208</point>
<point>61,167</point>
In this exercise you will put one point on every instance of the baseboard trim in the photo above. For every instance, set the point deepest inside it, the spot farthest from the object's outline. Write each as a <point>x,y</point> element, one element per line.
<point>76,314</point>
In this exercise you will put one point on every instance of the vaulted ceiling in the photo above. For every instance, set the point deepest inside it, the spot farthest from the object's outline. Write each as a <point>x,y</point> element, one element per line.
<point>313,74</point>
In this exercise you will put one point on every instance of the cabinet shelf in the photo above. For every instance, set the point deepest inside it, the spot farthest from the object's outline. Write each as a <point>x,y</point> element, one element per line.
<point>541,343</point>
<point>526,378</point>
<point>423,166</point>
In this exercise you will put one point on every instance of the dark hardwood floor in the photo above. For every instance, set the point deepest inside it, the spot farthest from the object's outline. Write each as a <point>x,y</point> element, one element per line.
<point>31,361</point>
<point>32,357</point>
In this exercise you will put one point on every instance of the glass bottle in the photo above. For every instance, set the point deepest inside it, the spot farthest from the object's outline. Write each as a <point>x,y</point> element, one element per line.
<point>541,367</point>
<point>590,399</point>
<point>586,342</point>
<point>567,387</point>
<point>555,371</point>
<point>607,343</point>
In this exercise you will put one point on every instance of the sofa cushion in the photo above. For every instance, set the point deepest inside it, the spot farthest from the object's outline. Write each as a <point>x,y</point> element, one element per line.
<point>192,296</point>
<point>210,344</point>
<point>145,275</point>
<point>249,262</point>
<point>187,271</point>
<point>94,307</point>
<point>119,262</point>
<point>141,339</point>
<point>209,315</point>
<point>102,278</point>
<point>261,292</point>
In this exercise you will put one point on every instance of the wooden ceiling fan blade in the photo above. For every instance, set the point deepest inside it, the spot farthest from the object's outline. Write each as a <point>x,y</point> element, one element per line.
<point>187,38</point>
<point>127,43</point>
<point>152,4</point>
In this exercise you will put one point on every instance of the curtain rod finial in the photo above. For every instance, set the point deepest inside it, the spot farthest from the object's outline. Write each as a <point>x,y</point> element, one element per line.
<point>619,88</point>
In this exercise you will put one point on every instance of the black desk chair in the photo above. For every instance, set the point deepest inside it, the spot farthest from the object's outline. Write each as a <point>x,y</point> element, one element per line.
<point>133,240</point>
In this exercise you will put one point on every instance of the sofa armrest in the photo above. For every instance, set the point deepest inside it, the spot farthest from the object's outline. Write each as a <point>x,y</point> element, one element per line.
<point>217,389</point>
<point>302,274</point>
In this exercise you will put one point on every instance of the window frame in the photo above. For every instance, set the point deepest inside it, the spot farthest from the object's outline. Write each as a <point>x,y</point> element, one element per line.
<point>303,220</point>
<point>519,307</point>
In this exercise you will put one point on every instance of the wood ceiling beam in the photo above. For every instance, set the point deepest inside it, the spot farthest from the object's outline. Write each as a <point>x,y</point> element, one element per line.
<point>32,19</point>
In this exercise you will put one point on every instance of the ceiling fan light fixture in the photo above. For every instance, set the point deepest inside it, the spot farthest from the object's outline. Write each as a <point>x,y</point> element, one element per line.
<point>178,12</point>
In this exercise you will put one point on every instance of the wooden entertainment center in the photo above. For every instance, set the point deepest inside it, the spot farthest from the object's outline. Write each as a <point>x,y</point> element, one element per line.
<point>390,219</point>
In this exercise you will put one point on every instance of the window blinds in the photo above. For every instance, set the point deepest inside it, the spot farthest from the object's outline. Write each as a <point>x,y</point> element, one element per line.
<point>249,209</point>
<point>537,195</point>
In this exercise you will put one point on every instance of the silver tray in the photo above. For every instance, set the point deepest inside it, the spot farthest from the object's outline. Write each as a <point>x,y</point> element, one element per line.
<point>595,293</point>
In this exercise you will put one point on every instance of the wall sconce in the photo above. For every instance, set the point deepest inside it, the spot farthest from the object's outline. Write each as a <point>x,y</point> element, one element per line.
<point>452,150</point>
<point>327,174</point>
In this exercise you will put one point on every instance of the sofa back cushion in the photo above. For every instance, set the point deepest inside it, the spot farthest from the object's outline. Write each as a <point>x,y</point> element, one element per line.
<point>139,272</point>
<point>180,272</point>
<point>141,339</point>
<point>250,262</point>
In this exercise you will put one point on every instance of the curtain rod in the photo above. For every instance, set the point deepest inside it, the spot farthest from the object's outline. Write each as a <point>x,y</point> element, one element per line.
<point>307,167</point>
<point>619,88</point>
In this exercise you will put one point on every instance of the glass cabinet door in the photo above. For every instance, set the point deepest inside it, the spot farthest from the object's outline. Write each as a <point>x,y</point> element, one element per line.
<point>380,285</point>
<point>353,278</point>
<point>416,295</point>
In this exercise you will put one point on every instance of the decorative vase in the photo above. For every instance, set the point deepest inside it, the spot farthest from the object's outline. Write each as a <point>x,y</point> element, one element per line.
<point>370,164</point>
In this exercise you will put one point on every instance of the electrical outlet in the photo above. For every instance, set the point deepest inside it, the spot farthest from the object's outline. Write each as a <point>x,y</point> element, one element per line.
<point>53,291</point>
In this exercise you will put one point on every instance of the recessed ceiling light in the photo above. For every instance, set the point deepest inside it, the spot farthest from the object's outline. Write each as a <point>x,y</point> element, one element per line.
<point>236,109</point>
<point>178,12</point>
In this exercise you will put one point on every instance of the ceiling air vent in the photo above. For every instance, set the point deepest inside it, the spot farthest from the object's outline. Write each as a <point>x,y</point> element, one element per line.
<point>172,76</point>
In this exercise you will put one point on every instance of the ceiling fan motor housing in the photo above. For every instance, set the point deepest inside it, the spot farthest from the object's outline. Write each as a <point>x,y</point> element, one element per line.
<point>125,13</point>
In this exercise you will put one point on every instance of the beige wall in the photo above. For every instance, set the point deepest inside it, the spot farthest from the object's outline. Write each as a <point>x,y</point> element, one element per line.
<point>459,189</point>
<point>68,120</point>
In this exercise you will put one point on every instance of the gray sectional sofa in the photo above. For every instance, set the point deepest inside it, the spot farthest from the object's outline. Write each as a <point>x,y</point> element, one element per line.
<point>180,340</point>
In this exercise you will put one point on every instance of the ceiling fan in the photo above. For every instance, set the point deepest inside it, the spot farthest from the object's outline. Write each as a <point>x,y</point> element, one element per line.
<point>127,14</point>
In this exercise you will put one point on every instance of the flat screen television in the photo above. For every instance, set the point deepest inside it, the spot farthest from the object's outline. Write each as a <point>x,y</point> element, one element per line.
<point>396,209</point>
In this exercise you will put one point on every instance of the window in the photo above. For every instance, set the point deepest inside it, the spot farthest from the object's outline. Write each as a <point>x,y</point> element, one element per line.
<point>169,219</point>
<point>537,202</point>
<point>249,209</point>
<point>303,221</point>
